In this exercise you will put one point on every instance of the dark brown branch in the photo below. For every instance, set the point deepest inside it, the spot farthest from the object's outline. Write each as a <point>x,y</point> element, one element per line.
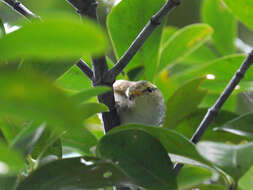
<point>154,22</point>
<point>213,111</point>
<point>100,68</point>
<point>86,69</point>
<point>20,8</point>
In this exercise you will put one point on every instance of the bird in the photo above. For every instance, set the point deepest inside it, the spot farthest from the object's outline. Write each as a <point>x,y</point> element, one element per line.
<point>139,102</point>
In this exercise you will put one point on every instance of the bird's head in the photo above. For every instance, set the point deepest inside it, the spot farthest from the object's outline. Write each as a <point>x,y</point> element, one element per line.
<point>141,89</point>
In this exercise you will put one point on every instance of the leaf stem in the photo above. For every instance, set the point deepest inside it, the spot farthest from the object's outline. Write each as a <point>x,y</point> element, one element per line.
<point>214,110</point>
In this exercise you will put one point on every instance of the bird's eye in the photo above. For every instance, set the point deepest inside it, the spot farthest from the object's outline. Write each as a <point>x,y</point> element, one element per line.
<point>131,97</point>
<point>149,89</point>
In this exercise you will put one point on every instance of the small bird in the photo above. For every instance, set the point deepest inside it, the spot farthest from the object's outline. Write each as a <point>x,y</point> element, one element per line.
<point>139,102</point>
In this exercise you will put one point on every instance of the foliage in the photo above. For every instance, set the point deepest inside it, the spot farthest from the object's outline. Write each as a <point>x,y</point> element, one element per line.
<point>51,137</point>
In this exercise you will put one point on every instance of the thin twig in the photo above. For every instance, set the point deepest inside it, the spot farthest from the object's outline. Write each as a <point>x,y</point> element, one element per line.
<point>20,8</point>
<point>154,22</point>
<point>86,69</point>
<point>213,111</point>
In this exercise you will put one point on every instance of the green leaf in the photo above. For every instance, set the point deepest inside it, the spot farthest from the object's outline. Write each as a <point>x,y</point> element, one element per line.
<point>89,93</point>
<point>168,31</point>
<point>33,97</point>
<point>177,144</point>
<point>10,126</point>
<point>47,145</point>
<point>243,10</point>
<point>90,109</point>
<point>224,24</point>
<point>136,14</point>
<point>190,123</point>
<point>222,70</point>
<point>60,36</point>
<point>28,137</point>
<point>10,161</point>
<point>183,102</point>
<point>7,182</point>
<point>51,68</point>
<point>235,160</point>
<point>191,176</point>
<point>74,80</point>
<point>74,173</point>
<point>201,55</point>
<point>2,29</point>
<point>241,125</point>
<point>246,182</point>
<point>136,152</point>
<point>184,42</point>
<point>81,139</point>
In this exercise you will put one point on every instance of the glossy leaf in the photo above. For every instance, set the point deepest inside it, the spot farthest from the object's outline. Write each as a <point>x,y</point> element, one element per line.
<point>184,42</point>
<point>242,9</point>
<point>10,161</point>
<point>74,173</point>
<point>43,40</point>
<point>191,176</point>
<point>224,24</point>
<point>241,125</point>
<point>89,93</point>
<point>32,97</point>
<point>177,144</point>
<point>130,150</point>
<point>135,18</point>
<point>183,102</point>
<point>230,158</point>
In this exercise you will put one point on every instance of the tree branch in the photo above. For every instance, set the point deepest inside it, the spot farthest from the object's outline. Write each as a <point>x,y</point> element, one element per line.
<point>20,8</point>
<point>86,69</point>
<point>154,22</point>
<point>213,111</point>
<point>100,68</point>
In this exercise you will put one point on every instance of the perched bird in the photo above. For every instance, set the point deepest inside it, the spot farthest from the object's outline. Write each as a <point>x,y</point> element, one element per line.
<point>139,102</point>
